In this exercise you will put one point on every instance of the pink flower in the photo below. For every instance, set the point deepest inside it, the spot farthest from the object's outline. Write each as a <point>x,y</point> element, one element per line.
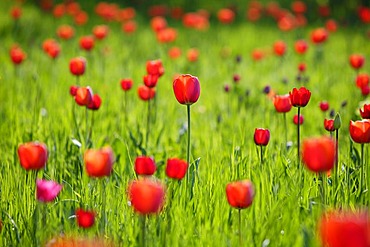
<point>47,191</point>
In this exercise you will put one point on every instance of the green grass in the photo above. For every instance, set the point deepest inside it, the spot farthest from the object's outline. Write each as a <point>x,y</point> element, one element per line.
<point>36,105</point>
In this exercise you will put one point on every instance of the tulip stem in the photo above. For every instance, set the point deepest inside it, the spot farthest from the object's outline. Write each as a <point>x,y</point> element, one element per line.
<point>188,145</point>
<point>87,127</point>
<point>143,230</point>
<point>298,138</point>
<point>240,227</point>
<point>286,131</point>
<point>322,188</point>
<point>104,202</point>
<point>261,149</point>
<point>147,126</point>
<point>362,168</point>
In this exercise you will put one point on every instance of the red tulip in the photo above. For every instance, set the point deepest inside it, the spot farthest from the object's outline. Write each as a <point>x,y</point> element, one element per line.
<point>236,78</point>
<point>174,52</point>
<point>318,153</point>
<point>16,12</point>
<point>345,229</point>
<point>299,7</point>
<point>257,55</point>
<point>32,155</point>
<point>73,90</point>
<point>176,168</point>
<point>100,31</point>
<point>150,80</point>
<point>302,67</point>
<point>77,66</point>
<point>84,96</point>
<point>51,47</point>
<point>126,84</point>
<point>81,18</point>
<point>324,105</point>
<point>300,46</point>
<point>146,196</point>
<point>360,131</point>
<point>365,90</point>
<point>145,165</point>
<point>357,61</point>
<point>331,25</point>
<point>282,103</point>
<point>186,89</point>
<point>279,48</point>
<point>319,35</point>
<point>146,93</point>
<point>158,23</point>
<point>65,32</point>
<point>59,10</point>
<point>226,16</point>
<point>155,67</point>
<point>365,111</point>
<point>329,124</point>
<point>99,163</point>
<point>85,218</point>
<point>47,191</point>
<point>300,97</point>
<point>192,55</point>
<point>129,27</point>
<point>17,55</point>
<point>261,136</point>
<point>240,194</point>
<point>167,35</point>
<point>126,14</point>
<point>87,42</point>
<point>295,119</point>
<point>95,103</point>
<point>362,80</point>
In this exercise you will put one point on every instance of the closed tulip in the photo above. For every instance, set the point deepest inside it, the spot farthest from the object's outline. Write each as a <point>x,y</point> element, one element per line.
<point>319,35</point>
<point>362,80</point>
<point>65,32</point>
<point>329,124</point>
<point>357,61</point>
<point>300,97</point>
<point>150,80</point>
<point>324,106</point>
<point>32,155</point>
<point>47,191</point>
<point>226,16</point>
<point>99,163</point>
<point>360,131</point>
<point>155,67</point>
<point>73,90</point>
<point>84,96</point>
<point>126,84</point>
<point>87,43</point>
<point>95,103</point>
<point>295,119</point>
<point>100,31</point>
<point>77,66</point>
<point>240,194</point>
<point>365,111</point>
<point>17,55</point>
<point>51,48</point>
<point>176,168</point>
<point>300,46</point>
<point>146,196</point>
<point>318,154</point>
<point>345,229</point>
<point>282,103</point>
<point>145,165</point>
<point>261,136</point>
<point>279,48</point>
<point>146,93</point>
<point>186,89</point>
<point>85,218</point>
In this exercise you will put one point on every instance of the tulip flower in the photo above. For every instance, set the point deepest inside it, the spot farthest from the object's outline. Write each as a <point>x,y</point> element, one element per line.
<point>261,138</point>
<point>299,98</point>
<point>344,228</point>
<point>226,16</point>
<point>331,25</point>
<point>145,93</point>
<point>360,133</point>
<point>83,96</point>
<point>174,52</point>
<point>47,191</point>
<point>295,119</point>
<point>65,32</point>
<point>319,35</point>
<point>279,48</point>
<point>51,48</point>
<point>145,165</point>
<point>94,103</point>
<point>282,103</point>
<point>192,55</point>
<point>155,67</point>
<point>187,91</point>
<point>362,80</point>
<point>129,27</point>
<point>16,12</point>
<point>99,163</point>
<point>158,23</point>
<point>100,31</point>
<point>32,155</point>
<point>17,55</point>
<point>126,84</point>
<point>150,80</point>
<point>77,67</point>
<point>240,195</point>
<point>167,35</point>
<point>329,125</point>
<point>357,61</point>
<point>300,46</point>
<point>85,218</point>
<point>87,43</point>
<point>176,168</point>
<point>365,111</point>
<point>324,106</point>
<point>318,154</point>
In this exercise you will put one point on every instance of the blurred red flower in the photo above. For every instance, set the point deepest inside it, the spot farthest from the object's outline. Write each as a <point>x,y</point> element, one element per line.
<point>176,168</point>
<point>85,218</point>
<point>87,42</point>
<point>240,194</point>
<point>279,48</point>
<point>145,165</point>
<point>65,32</point>
<point>47,191</point>
<point>126,84</point>
<point>329,124</point>
<point>77,66</point>
<point>146,93</point>
<point>225,16</point>
<point>99,162</point>
<point>357,61</point>
<point>83,96</point>
<point>100,31</point>
<point>319,35</point>
<point>282,103</point>
<point>32,155</point>
<point>17,55</point>
<point>95,103</point>
<point>300,46</point>
<point>318,154</point>
<point>324,105</point>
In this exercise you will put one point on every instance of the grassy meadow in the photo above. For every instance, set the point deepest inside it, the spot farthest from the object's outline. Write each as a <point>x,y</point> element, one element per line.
<point>36,106</point>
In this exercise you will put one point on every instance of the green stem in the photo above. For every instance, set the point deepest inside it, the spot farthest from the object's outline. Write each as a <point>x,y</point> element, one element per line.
<point>125,109</point>
<point>147,126</point>
<point>322,175</point>
<point>298,138</point>
<point>286,130</point>
<point>362,168</point>
<point>143,230</point>
<point>261,153</point>
<point>87,127</point>
<point>188,144</point>
<point>240,227</point>
<point>104,203</point>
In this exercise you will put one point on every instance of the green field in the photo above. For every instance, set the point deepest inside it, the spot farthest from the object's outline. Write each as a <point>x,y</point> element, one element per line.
<point>36,106</point>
